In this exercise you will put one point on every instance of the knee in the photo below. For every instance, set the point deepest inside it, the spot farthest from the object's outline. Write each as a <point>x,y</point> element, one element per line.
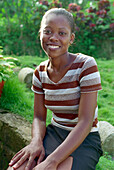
<point>22,167</point>
<point>9,168</point>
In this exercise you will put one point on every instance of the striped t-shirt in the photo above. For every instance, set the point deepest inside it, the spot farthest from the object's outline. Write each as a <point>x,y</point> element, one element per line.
<point>63,97</point>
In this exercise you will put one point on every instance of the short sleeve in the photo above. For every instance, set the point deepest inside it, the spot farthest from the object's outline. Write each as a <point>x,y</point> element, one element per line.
<point>89,78</point>
<point>36,82</point>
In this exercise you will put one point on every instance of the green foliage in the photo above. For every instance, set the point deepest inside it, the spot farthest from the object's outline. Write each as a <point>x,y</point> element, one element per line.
<point>20,22</point>
<point>6,65</point>
<point>105,163</point>
<point>106,96</point>
<point>17,98</point>
<point>94,28</point>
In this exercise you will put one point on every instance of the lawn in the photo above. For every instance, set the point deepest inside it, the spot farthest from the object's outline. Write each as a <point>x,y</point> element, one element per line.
<point>18,99</point>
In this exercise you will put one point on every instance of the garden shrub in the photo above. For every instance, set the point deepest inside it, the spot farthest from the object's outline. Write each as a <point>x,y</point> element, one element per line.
<point>93,28</point>
<point>20,22</point>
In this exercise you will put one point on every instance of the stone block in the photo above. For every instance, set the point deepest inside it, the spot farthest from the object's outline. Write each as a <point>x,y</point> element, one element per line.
<point>15,133</point>
<point>106,131</point>
<point>25,76</point>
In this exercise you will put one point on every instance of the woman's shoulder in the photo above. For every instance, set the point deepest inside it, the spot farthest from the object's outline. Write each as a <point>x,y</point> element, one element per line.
<point>42,66</point>
<point>83,57</point>
<point>85,60</point>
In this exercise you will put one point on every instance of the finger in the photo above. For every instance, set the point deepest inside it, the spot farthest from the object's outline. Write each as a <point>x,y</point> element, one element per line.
<point>31,163</point>
<point>41,157</point>
<point>17,154</point>
<point>21,161</point>
<point>14,160</point>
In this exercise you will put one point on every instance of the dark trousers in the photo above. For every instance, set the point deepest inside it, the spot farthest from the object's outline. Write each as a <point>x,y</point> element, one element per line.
<point>85,157</point>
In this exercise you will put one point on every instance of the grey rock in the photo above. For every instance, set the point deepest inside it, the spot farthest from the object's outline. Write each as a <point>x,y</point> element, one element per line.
<point>25,76</point>
<point>106,131</point>
<point>15,133</point>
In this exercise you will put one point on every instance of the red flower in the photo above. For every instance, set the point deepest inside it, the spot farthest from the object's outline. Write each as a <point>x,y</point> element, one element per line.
<point>44,2</point>
<point>92,25</point>
<point>101,13</point>
<point>56,4</point>
<point>90,16</point>
<point>77,28</point>
<point>74,7</point>
<point>90,10</point>
<point>112,25</point>
<point>80,15</point>
<point>104,4</point>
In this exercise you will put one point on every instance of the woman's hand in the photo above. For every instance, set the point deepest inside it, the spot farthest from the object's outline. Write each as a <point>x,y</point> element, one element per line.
<point>30,152</point>
<point>46,165</point>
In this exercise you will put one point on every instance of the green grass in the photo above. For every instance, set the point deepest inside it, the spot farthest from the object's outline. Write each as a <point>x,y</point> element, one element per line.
<point>106,96</point>
<point>17,98</point>
<point>29,61</point>
<point>105,164</point>
<point>20,100</point>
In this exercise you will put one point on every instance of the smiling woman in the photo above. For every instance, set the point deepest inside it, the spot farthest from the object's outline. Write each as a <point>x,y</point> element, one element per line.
<point>67,84</point>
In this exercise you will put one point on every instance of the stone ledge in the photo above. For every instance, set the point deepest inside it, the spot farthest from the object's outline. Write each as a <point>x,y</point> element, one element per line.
<point>15,130</point>
<point>15,133</point>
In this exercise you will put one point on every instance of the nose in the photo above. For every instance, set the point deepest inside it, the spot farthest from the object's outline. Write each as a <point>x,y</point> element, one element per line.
<point>54,37</point>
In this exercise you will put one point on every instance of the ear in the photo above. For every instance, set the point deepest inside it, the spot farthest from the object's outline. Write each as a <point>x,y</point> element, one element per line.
<point>72,38</point>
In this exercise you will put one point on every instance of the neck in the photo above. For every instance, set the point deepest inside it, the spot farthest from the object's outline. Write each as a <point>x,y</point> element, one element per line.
<point>60,62</point>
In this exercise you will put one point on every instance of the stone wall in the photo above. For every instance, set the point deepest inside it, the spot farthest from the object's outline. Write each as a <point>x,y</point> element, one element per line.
<point>15,133</point>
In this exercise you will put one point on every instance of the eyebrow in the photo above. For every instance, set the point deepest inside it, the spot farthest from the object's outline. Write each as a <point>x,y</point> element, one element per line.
<point>59,28</point>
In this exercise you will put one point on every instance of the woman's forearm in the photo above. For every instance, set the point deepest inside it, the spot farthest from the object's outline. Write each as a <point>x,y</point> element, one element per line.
<point>39,121</point>
<point>38,129</point>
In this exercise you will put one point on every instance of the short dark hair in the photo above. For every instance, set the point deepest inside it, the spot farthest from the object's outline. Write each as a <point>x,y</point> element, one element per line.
<point>61,11</point>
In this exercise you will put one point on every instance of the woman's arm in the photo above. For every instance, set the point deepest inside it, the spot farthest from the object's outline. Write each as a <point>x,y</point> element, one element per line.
<point>88,103</point>
<point>39,121</point>
<point>35,148</point>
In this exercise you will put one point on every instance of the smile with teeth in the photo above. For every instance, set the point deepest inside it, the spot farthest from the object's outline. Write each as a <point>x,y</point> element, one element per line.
<point>53,46</point>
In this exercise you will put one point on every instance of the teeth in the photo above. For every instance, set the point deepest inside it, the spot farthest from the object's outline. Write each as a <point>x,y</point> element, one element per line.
<point>52,46</point>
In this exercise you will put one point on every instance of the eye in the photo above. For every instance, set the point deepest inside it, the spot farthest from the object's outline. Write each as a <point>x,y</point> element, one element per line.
<point>47,31</point>
<point>62,33</point>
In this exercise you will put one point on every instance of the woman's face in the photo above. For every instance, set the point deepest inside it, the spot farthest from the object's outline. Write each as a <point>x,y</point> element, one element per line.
<point>55,35</point>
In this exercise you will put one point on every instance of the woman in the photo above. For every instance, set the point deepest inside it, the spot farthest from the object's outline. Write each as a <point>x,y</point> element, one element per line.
<point>67,84</point>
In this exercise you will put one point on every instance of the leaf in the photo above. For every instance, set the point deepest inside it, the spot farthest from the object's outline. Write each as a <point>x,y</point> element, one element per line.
<point>24,10</point>
<point>111,38</point>
<point>0,78</point>
<point>92,47</point>
<point>3,11</point>
<point>12,58</point>
<point>104,27</point>
<point>37,22</point>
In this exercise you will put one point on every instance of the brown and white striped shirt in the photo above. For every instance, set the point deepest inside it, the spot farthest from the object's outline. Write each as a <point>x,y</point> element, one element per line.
<point>63,97</point>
